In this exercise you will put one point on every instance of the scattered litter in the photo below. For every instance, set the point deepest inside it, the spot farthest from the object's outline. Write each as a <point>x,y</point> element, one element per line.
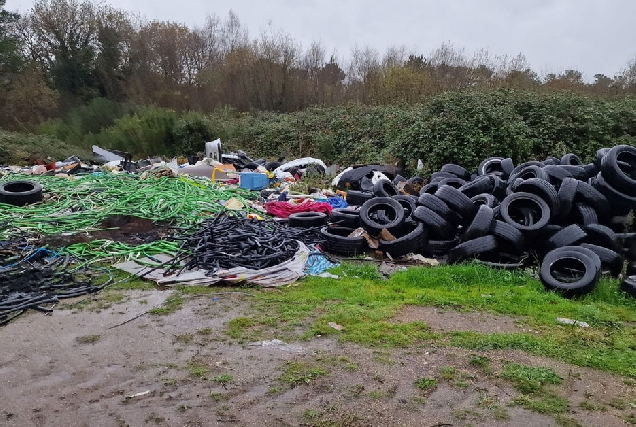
<point>283,274</point>
<point>420,259</point>
<point>327,275</point>
<point>278,344</point>
<point>336,326</point>
<point>285,209</point>
<point>566,321</point>
<point>388,269</point>
<point>300,167</point>
<point>318,264</point>
<point>105,156</point>
<point>138,394</point>
<point>234,204</point>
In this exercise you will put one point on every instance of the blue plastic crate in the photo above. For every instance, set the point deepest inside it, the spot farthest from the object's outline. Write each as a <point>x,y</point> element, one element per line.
<point>253,181</point>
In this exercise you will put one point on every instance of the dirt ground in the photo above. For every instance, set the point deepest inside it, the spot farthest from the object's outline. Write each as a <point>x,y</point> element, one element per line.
<point>78,368</point>
<point>118,228</point>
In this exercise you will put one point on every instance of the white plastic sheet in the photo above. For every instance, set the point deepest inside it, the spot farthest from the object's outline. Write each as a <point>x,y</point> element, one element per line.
<point>282,171</point>
<point>283,274</point>
<point>106,155</point>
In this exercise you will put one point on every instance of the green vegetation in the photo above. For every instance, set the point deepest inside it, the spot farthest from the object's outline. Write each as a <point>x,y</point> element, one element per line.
<point>239,328</point>
<point>183,338</point>
<point>457,127</point>
<point>172,304</point>
<point>223,379</point>
<point>219,397</point>
<point>529,379</point>
<point>589,406</point>
<point>445,107</point>
<point>16,148</point>
<point>565,421</point>
<point>88,339</point>
<point>197,369</point>
<point>170,382</point>
<point>366,307</point>
<point>545,403</point>
<point>299,373</point>
<point>426,383</point>
<point>448,372</point>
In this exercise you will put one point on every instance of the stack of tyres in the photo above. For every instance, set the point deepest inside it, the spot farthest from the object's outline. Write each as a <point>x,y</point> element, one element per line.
<point>567,214</point>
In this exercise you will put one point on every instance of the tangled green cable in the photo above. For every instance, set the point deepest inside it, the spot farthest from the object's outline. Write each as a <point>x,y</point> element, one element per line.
<point>81,204</point>
<point>107,250</point>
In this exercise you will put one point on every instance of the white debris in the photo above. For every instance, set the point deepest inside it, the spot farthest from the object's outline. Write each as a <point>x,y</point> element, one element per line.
<point>566,321</point>
<point>336,326</point>
<point>143,393</point>
<point>281,345</point>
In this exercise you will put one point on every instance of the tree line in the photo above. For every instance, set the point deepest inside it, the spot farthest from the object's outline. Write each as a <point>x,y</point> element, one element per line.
<point>62,54</point>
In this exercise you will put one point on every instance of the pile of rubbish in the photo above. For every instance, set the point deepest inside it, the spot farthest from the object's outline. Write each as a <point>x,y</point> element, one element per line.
<point>37,278</point>
<point>225,218</point>
<point>567,215</point>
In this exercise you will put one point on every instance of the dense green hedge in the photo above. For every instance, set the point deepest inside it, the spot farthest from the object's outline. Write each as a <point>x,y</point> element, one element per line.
<point>458,127</point>
<point>461,128</point>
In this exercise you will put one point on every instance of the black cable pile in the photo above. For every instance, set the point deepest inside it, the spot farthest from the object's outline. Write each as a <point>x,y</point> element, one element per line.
<point>30,282</point>
<point>226,242</point>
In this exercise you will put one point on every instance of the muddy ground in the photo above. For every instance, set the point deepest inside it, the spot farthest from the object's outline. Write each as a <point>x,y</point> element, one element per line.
<point>79,368</point>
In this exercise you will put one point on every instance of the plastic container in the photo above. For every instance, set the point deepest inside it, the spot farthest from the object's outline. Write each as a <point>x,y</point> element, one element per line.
<point>253,181</point>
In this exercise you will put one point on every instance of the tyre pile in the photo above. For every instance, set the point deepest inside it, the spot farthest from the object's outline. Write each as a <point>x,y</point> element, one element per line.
<point>566,215</point>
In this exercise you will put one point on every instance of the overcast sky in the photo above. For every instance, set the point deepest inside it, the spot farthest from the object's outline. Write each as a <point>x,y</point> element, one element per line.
<point>592,36</point>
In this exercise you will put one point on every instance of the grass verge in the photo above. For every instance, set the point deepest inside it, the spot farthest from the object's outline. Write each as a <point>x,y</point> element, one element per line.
<point>365,305</point>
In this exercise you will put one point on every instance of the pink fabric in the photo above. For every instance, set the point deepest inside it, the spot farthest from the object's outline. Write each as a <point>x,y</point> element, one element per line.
<point>284,209</point>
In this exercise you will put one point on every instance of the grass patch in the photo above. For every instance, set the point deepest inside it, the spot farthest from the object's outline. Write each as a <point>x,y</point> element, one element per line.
<point>112,297</point>
<point>274,390</point>
<point>88,339</point>
<point>183,338</point>
<point>298,373</point>
<point>170,382</point>
<point>223,379</point>
<point>377,394</point>
<point>426,383</point>
<point>311,414</point>
<point>364,304</point>
<point>197,369</point>
<point>618,403</point>
<point>545,403</point>
<point>500,414</point>
<point>172,304</point>
<point>464,414</point>
<point>589,406</point>
<point>219,397</point>
<point>565,421</point>
<point>448,372</point>
<point>240,328</point>
<point>205,331</point>
<point>529,379</point>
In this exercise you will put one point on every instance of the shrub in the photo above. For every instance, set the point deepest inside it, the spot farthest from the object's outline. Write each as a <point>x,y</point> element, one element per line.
<point>25,149</point>
<point>148,132</point>
<point>190,133</point>
<point>98,114</point>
